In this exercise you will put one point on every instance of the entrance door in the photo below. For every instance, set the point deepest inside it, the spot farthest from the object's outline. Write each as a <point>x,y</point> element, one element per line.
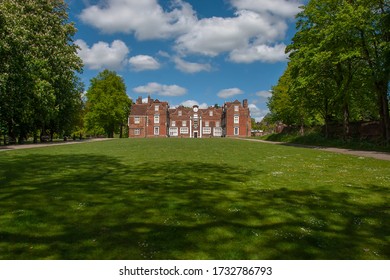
<point>195,134</point>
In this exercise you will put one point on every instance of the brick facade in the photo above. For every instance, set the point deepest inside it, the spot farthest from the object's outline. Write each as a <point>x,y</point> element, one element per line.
<point>148,119</point>
<point>156,119</point>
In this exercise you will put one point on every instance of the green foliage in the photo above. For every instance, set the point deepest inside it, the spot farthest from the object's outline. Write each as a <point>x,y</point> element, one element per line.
<point>118,200</point>
<point>107,106</point>
<point>39,88</point>
<point>339,65</point>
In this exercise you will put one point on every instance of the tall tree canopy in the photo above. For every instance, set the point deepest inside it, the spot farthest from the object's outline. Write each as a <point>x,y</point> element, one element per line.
<point>339,65</point>
<point>39,88</point>
<point>108,105</point>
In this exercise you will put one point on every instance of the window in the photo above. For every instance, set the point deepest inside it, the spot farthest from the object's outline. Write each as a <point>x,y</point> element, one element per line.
<point>156,130</point>
<point>137,120</point>
<point>184,123</point>
<point>211,113</point>
<point>206,123</point>
<point>179,113</point>
<point>207,130</point>
<point>183,130</point>
<point>173,123</point>
<point>236,119</point>
<point>236,107</point>
<point>218,131</point>
<point>156,119</point>
<point>137,131</point>
<point>236,130</point>
<point>173,131</point>
<point>217,123</point>
<point>156,108</point>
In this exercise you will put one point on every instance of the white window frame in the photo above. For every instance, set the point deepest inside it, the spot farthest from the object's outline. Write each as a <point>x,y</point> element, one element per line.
<point>137,131</point>
<point>156,130</point>
<point>156,118</point>
<point>211,113</point>
<point>217,124</point>
<point>236,118</point>
<point>207,123</point>
<point>173,131</point>
<point>156,108</point>
<point>173,123</point>
<point>236,130</point>
<point>236,108</point>
<point>184,123</point>
<point>180,113</point>
<point>206,130</point>
<point>183,130</point>
<point>218,131</point>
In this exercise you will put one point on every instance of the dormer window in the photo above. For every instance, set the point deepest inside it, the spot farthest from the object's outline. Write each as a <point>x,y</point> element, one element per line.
<point>179,113</point>
<point>236,107</point>
<point>156,108</point>
<point>211,113</point>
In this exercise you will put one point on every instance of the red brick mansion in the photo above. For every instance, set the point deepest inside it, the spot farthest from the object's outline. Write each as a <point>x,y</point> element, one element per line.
<point>156,119</point>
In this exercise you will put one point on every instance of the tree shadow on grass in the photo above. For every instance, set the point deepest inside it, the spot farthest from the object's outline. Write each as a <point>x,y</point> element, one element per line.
<point>95,207</point>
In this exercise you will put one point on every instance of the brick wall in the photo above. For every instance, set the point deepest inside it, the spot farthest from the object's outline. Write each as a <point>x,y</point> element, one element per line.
<point>155,119</point>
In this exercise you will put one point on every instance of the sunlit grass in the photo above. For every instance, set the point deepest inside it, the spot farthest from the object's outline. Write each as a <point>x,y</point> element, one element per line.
<point>192,199</point>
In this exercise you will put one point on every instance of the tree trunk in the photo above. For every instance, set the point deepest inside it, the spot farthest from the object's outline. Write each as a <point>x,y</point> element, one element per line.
<point>327,120</point>
<point>302,129</point>
<point>346,122</point>
<point>121,131</point>
<point>11,134</point>
<point>383,100</point>
<point>51,135</point>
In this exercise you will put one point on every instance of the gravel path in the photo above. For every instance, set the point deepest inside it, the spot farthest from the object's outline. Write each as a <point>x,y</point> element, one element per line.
<point>368,154</point>
<point>48,144</point>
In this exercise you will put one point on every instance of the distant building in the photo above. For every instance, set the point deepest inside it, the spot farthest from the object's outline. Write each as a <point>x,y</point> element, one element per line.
<point>156,119</point>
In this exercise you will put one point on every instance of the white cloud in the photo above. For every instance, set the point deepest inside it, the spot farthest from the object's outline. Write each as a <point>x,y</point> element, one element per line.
<point>257,113</point>
<point>283,8</point>
<point>264,94</point>
<point>146,18</point>
<point>190,103</point>
<point>212,36</point>
<point>261,53</point>
<point>163,54</point>
<point>253,34</point>
<point>190,67</point>
<point>163,90</point>
<point>144,62</point>
<point>103,55</point>
<point>230,92</point>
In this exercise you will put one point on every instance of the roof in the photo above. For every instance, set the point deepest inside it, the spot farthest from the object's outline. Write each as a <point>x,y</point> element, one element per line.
<point>139,109</point>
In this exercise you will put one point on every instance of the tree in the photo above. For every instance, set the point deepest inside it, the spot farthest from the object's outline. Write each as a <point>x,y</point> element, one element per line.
<point>38,66</point>
<point>107,106</point>
<point>338,61</point>
<point>372,21</point>
<point>287,103</point>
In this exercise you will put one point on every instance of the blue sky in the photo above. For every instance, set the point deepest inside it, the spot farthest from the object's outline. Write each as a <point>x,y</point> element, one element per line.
<point>187,52</point>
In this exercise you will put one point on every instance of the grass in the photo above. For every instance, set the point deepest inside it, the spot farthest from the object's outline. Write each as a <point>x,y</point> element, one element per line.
<point>192,199</point>
<point>316,138</point>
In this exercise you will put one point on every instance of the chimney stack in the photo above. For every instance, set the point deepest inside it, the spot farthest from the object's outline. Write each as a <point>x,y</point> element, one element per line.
<point>245,103</point>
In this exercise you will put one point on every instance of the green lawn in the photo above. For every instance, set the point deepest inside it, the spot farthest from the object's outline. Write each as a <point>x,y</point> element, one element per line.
<point>192,199</point>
